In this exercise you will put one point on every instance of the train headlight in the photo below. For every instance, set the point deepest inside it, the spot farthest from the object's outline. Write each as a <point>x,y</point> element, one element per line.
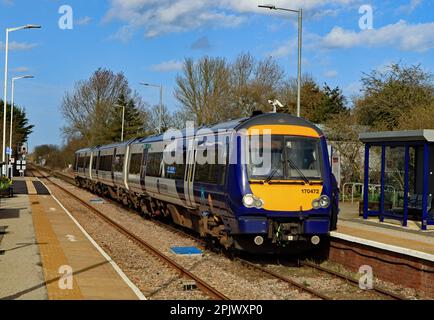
<point>249,201</point>
<point>259,203</point>
<point>315,204</point>
<point>324,202</point>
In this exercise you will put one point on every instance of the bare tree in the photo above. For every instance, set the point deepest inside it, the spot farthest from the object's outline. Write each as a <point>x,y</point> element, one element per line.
<point>89,109</point>
<point>253,83</point>
<point>203,89</point>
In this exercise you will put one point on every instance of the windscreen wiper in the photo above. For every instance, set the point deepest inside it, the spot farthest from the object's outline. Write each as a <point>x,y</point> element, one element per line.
<point>293,166</point>
<point>271,176</point>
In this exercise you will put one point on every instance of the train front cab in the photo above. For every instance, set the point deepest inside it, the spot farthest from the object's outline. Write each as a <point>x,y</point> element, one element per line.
<point>292,203</point>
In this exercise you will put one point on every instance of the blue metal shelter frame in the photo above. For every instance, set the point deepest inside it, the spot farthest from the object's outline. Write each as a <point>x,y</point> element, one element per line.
<point>407,139</point>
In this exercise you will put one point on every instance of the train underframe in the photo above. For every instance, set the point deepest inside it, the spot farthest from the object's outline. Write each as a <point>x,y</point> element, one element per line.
<point>284,236</point>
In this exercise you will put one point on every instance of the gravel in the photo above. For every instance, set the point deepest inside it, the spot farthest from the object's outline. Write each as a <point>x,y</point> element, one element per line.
<point>159,281</point>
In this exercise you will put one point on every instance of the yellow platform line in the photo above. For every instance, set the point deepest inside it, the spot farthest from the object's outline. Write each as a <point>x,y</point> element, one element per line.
<point>52,255</point>
<point>31,187</point>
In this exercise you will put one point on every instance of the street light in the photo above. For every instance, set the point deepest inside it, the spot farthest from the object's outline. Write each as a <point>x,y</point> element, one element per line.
<point>29,26</point>
<point>12,106</point>
<point>160,116</point>
<point>300,43</point>
<point>123,120</point>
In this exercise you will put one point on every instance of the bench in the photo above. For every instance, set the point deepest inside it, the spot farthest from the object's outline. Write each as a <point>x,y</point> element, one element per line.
<point>415,203</point>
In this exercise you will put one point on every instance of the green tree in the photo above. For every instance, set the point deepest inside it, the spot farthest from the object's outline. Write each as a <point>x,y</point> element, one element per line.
<point>390,95</point>
<point>21,127</point>
<point>317,104</point>
<point>135,120</point>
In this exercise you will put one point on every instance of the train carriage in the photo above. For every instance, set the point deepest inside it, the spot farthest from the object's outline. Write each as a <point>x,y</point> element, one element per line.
<point>288,206</point>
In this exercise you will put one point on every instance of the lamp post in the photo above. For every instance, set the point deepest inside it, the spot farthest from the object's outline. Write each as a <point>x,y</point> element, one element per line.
<point>160,116</point>
<point>8,30</point>
<point>123,120</point>
<point>12,107</point>
<point>300,44</point>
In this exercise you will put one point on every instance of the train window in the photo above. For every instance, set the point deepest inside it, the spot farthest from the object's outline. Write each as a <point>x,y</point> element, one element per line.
<point>213,173</point>
<point>106,163</point>
<point>118,164</point>
<point>154,164</point>
<point>177,170</point>
<point>94,160</point>
<point>135,164</point>
<point>87,162</point>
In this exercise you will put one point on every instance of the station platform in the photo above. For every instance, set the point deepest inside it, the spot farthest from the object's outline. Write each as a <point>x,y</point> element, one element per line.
<point>388,235</point>
<point>46,254</point>
<point>30,186</point>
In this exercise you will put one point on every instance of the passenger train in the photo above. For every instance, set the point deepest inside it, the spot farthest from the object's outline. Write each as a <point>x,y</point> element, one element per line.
<point>289,206</point>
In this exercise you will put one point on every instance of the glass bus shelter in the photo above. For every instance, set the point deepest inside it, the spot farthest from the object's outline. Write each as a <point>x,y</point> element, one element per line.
<point>398,178</point>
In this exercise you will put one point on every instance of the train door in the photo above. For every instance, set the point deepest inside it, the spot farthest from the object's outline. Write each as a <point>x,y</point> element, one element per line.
<point>112,166</point>
<point>189,176</point>
<point>91,162</point>
<point>144,167</point>
<point>126,166</point>
<point>98,161</point>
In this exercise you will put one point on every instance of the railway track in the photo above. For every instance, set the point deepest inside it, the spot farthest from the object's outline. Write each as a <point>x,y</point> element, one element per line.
<point>351,280</point>
<point>348,279</point>
<point>202,285</point>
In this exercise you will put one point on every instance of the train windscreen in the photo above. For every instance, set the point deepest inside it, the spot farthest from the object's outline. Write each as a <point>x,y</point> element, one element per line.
<point>285,158</point>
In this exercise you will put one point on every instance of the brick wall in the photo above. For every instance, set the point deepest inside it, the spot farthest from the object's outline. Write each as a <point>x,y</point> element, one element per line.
<point>388,266</point>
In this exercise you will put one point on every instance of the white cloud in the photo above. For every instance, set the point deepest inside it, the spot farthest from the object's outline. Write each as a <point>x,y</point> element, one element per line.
<point>166,16</point>
<point>83,21</point>
<point>402,35</point>
<point>409,8</point>
<point>331,74</point>
<point>19,46</point>
<point>284,49</point>
<point>7,2</point>
<point>21,69</point>
<point>353,89</point>
<point>167,66</point>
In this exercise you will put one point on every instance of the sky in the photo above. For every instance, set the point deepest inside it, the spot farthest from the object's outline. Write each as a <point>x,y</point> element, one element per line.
<point>148,40</point>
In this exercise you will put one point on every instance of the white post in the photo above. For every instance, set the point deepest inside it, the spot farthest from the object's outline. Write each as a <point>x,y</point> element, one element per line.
<point>160,120</point>
<point>5,95</point>
<point>300,43</point>
<point>123,122</point>
<point>11,128</point>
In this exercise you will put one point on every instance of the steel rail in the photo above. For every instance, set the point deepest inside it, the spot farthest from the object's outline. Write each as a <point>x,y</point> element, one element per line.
<point>351,280</point>
<point>202,285</point>
<point>285,279</point>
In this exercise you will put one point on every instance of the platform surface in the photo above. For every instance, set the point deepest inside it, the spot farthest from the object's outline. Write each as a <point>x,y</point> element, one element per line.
<point>48,256</point>
<point>389,234</point>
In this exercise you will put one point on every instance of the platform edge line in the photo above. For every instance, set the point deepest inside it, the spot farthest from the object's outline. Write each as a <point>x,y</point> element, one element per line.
<point>119,271</point>
<point>384,246</point>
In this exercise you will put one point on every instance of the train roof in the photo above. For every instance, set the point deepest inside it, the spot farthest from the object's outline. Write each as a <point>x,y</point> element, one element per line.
<point>277,119</point>
<point>231,125</point>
